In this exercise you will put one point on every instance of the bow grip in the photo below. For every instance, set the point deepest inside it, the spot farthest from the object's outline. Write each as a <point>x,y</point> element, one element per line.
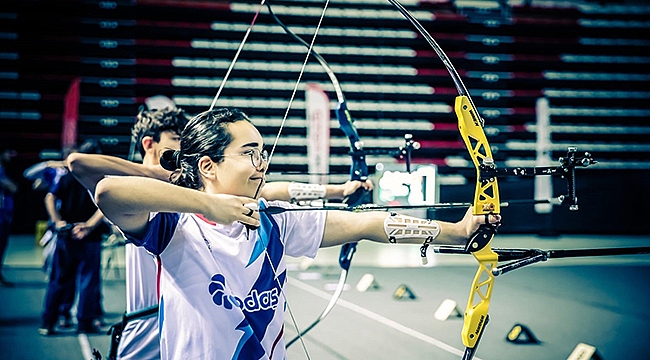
<point>359,169</point>
<point>356,198</point>
<point>481,237</point>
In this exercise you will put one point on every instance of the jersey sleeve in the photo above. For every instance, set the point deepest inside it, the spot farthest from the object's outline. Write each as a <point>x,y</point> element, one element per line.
<point>160,229</point>
<point>302,231</point>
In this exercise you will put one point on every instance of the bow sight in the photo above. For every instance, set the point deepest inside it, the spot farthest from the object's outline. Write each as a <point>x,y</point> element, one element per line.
<point>404,152</point>
<point>489,172</point>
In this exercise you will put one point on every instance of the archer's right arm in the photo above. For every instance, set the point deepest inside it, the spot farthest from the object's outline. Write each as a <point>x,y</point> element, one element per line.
<point>89,169</point>
<point>128,200</point>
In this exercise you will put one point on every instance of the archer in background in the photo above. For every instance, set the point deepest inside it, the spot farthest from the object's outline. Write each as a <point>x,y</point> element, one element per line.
<point>8,189</point>
<point>80,228</point>
<point>221,287</point>
<point>154,132</point>
<point>45,176</point>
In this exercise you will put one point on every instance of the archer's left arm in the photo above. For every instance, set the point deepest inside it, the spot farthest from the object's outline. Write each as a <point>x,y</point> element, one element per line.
<point>343,227</point>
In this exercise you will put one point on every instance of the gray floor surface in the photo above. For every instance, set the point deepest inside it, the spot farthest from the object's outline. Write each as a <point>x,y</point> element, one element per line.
<point>603,302</point>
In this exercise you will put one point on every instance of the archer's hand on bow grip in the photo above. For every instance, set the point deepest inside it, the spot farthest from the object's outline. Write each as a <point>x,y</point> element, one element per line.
<point>479,229</point>
<point>481,237</point>
<point>351,186</point>
<point>356,198</point>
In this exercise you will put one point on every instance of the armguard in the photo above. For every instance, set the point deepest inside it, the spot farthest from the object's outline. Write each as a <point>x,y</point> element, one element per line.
<point>300,191</point>
<point>399,227</point>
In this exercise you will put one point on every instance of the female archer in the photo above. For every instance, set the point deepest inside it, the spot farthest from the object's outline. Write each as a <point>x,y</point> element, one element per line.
<point>221,286</point>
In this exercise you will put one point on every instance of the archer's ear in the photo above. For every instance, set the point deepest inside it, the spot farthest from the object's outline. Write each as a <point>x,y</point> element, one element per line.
<point>146,142</point>
<point>207,167</point>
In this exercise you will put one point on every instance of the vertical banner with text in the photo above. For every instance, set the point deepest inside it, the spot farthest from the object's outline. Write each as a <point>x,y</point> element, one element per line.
<point>317,105</point>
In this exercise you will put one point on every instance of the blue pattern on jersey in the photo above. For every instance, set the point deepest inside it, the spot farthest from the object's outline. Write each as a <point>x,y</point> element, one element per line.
<point>275,249</point>
<point>264,234</point>
<point>161,315</point>
<point>247,349</point>
<point>269,237</point>
<point>217,289</point>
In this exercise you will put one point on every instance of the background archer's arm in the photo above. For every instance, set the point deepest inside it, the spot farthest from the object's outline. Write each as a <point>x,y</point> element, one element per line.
<point>89,169</point>
<point>285,190</point>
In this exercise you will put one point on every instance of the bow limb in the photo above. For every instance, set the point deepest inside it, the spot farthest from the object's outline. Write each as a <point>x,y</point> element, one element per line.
<point>358,170</point>
<point>486,199</point>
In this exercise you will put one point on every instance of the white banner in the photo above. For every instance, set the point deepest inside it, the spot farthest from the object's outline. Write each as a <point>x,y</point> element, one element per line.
<point>543,184</point>
<point>318,133</point>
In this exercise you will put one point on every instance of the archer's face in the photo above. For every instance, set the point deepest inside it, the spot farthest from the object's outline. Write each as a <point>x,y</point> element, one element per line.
<point>236,173</point>
<point>168,140</point>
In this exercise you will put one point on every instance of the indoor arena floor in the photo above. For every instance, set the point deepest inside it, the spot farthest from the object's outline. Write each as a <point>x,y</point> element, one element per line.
<point>602,302</point>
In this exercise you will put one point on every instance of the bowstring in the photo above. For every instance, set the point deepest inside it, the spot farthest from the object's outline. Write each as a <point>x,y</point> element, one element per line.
<point>295,88</point>
<point>234,60</point>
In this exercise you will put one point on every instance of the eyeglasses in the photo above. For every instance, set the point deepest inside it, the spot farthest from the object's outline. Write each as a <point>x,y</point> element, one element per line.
<point>257,156</point>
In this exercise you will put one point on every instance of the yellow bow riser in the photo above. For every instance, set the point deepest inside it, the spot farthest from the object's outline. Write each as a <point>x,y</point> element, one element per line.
<point>470,125</point>
<point>486,201</point>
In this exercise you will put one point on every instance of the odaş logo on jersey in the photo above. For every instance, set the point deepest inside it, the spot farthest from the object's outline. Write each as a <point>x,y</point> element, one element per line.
<point>255,301</point>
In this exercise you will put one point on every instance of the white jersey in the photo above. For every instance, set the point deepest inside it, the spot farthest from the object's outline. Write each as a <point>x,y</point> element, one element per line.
<point>221,286</point>
<point>139,340</point>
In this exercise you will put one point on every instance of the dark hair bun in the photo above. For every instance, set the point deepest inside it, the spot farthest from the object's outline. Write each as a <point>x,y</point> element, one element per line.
<point>171,160</point>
